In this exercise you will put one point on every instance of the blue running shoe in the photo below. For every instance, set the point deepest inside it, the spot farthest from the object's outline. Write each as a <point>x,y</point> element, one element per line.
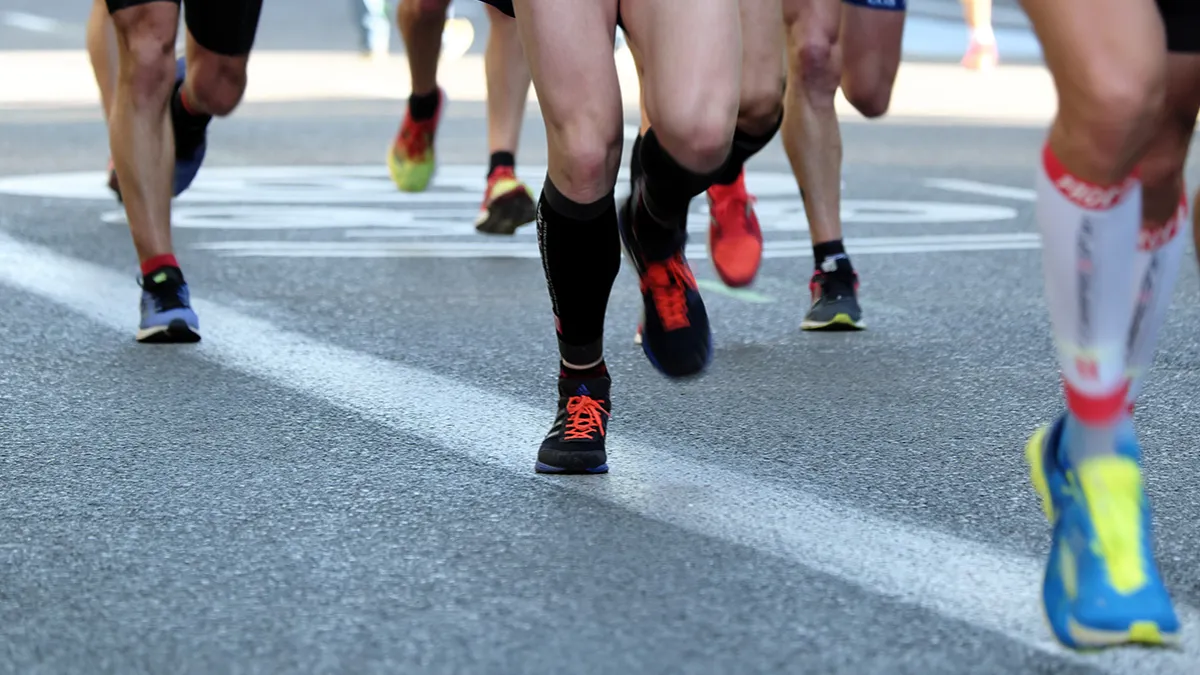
<point>167,315</point>
<point>191,141</point>
<point>675,333</point>
<point>1102,587</point>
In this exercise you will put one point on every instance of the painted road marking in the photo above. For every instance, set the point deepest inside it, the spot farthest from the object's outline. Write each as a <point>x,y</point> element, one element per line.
<point>743,294</point>
<point>987,587</point>
<point>370,218</point>
<point>984,189</point>
<point>527,249</point>
<point>31,22</point>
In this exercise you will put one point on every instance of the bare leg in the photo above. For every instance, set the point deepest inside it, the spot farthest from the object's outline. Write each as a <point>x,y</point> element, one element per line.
<point>421,23</point>
<point>508,82</point>
<point>811,135</point>
<point>871,45</point>
<point>143,146</point>
<point>102,52</point>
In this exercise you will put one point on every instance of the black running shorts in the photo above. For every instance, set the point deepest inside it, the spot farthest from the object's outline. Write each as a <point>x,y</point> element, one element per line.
<point>222,26</point>
<point>506,6</point>
<point>1182,19</point>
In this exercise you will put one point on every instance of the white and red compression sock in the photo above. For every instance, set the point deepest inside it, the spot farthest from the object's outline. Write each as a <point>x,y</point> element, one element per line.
<point>1156,267</point>
<point>1089,239</point>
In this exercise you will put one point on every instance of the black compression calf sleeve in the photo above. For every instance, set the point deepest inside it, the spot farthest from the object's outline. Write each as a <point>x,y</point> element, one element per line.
<point>669,186</point>
<point>745,146</point>
<point>581,255</point>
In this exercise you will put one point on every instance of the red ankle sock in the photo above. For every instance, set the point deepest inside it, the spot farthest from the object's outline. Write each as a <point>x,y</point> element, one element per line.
<point>155,262</point>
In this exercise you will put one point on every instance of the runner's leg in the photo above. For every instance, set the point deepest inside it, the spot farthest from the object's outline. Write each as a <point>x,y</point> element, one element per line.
<point>569,45</point>
<point>871,37</point>
<point>690,53</point>
<point>508,203</point>
<point>1108,59</point>
<point>813,141</point>
<point>1164,207</point>
<point>411,159</point>
<point>734,236</point>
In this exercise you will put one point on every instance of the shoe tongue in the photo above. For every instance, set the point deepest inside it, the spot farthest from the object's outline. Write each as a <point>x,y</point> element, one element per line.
<point>591,387</point>
<point>833,263</point>
<point>165,276</point>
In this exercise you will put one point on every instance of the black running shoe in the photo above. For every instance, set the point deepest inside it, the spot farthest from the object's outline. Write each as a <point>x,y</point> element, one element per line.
<point>575,443</point>
<point>675,333</point>
<point>834,299</point>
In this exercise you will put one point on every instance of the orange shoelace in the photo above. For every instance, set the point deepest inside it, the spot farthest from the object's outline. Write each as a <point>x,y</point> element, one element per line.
<point>585,416</point>
<point>668,283</point>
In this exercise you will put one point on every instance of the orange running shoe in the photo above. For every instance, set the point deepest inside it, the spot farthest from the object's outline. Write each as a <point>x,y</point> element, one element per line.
<point>507,204</point>
<point>735,241</point>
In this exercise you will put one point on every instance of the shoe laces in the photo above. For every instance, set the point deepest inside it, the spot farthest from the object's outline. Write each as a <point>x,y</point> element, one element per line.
<point>826,284</point>
<point>668,283</point>
<point>585,417</point>
<point>730,207</point>
<point>166,296</point>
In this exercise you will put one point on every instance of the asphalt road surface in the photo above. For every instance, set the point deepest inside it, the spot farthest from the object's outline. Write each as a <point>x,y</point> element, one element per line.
<point>339,479</point>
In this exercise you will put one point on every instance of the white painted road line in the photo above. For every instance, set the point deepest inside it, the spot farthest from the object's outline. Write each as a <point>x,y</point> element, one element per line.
<point>31,22</point>
<point>527,249</point>
<point>985,189</point>
<point>956,578</point>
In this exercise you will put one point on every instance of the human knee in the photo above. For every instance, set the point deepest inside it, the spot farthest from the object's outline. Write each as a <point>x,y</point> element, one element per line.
<point>1162,170</point>
<point>591,156</point>
<point>815,62</point>
<point>697,138</point>
<point>217,84</point>
<point>147,52</point>
<point>871,100</point>
<point>760,108</point>
<point>1111,116</point>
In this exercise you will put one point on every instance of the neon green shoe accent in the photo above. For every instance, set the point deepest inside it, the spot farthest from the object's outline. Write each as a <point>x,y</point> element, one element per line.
<point>1112,489</point>
<point>1037,470</point>
<point>411,175</point>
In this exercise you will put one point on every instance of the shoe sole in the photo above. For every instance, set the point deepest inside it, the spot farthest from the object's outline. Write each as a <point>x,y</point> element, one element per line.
<point>840,322</point>
<point>541,467</point>
<point>176,332</point>
<point>507,214</point>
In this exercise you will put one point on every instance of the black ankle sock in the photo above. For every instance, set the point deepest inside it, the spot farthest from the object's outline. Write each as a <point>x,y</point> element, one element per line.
<point>581,256</point>
<point>668,187</point>
<point>830,257</point>
<point>189,127</point>
<point>598,370</point>
<point>744,147</point>
<point>423,107</point>
<point>502,158</point>
<point>635,161</point>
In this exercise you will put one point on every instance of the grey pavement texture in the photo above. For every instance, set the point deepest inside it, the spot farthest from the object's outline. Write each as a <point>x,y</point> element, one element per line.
<point>190,510</point>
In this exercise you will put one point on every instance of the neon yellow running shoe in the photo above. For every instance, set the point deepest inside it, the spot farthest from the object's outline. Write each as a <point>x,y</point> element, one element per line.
<point>411,159</point>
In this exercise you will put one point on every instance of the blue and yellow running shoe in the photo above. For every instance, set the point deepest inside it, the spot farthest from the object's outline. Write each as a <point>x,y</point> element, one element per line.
<point>1102,587</point>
